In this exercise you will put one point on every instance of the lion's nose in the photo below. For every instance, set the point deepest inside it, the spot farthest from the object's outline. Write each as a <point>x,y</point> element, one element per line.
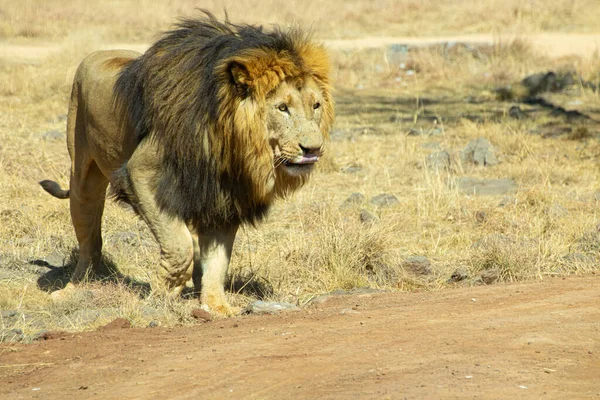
<point>316,150</point>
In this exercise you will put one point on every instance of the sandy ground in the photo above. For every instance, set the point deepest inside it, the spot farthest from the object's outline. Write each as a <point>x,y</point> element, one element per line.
<point>551,44</point>
<point>536,340</point>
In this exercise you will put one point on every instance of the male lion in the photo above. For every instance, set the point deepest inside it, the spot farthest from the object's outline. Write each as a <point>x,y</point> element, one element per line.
<point>200,134</point>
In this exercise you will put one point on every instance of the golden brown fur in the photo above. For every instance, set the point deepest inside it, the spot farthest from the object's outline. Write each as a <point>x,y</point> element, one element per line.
<point>199,134</point>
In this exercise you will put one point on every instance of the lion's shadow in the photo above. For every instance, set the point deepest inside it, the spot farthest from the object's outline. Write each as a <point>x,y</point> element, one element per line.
<point>57,276</point>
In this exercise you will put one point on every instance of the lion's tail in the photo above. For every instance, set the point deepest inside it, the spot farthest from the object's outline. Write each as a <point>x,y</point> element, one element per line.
<point>54,189</point>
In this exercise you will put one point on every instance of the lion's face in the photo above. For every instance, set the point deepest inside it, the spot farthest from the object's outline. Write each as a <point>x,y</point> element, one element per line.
<point>293,117</point>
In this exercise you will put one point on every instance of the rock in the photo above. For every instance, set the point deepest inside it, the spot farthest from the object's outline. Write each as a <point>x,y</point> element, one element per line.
<point>384,200</point>
<point>485,187</point>
<point>439,160</point>
<point>269,307</point>
<point>11,335</point>
<point>540,83</point>
<point>9,314</point>
<point>368,218</point>
<point>53,135</point>
<point>480,216</point>
<point>118,323</point>
<point>354,199</point>
<point>460,274</point>
<point>515,112</point>
<point>418,265</point>
<point>153,324</point>
<point>490,276</point>
<point>201,315</point>
<point>479,152</point>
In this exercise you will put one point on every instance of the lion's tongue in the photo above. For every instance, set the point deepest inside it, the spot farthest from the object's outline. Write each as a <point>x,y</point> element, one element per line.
<point>308,159</point>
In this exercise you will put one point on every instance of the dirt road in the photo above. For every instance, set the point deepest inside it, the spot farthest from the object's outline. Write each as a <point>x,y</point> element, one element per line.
<point>535,340</point>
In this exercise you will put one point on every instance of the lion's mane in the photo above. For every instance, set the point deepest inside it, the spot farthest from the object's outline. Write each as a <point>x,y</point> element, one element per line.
<point>216,162</point>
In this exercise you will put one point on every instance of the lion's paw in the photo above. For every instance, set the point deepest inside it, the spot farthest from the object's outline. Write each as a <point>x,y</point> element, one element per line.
<point>218,305</point>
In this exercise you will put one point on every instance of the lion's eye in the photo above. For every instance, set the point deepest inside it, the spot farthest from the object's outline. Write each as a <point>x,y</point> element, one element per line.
<point>282,107</point>
<point>317,105</point>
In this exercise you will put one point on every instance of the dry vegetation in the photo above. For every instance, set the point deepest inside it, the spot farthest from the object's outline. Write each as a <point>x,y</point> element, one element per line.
<point>311,244</point>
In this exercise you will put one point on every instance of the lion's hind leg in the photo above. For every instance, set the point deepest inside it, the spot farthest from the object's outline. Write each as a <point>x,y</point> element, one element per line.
<point>87,196</point>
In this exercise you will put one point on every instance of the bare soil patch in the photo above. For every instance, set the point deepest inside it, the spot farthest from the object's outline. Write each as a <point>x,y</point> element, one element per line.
<point>534,340</point>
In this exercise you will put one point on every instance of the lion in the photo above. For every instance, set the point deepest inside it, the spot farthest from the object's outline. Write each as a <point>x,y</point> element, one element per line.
<point>200,134</point>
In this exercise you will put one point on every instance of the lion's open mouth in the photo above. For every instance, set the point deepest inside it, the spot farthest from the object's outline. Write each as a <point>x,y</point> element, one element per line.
<point>301,165</point>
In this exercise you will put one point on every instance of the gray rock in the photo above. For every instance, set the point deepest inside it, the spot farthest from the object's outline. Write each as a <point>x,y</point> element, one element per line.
<point>460,274</point>
<point>384,200</point>
<point>53,135</point>
<point>9,314</point>
<point>515,112</point>
<point>419,265</point>
<point>440,160</point>
<point>490,276</point>
<point>368,218</point>
<point>153,324</point>
<point>11,335</point>
<point>269,307</point>
<point>479,152</point>
<point>485,187</point>
<point>354,199</point>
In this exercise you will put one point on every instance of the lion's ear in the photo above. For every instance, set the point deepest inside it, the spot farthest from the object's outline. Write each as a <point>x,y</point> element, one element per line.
<point>241,77</point>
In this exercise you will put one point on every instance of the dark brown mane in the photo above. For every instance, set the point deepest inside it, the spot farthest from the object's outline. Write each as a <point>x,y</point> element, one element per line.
<point>184,94</point>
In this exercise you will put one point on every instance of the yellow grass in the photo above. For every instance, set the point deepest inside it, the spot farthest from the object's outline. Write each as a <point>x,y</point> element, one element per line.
<point>310,245</point>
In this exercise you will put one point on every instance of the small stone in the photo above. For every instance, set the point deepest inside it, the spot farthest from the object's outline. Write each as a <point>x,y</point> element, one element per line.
<point>269,307</point>
<point>479,152</point>
<point>439,160</point>
<point>53,134</point>
<point>515,112</point>
<point>201,315</point>
<point>153,324</point>
<point>12,335</point>
<point>368,218</point>
<point>419,265</point>
<point>384,200</point>
<point>480,216</point>
<point>8,313</point>
<point>490,276</point>
<point>459,275</point>
<point>354,199</point>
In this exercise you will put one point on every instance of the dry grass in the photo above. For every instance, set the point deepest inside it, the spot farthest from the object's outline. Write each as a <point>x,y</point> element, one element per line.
<point>310,245</point>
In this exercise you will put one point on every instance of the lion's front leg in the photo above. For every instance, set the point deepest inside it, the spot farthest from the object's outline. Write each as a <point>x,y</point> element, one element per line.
<point>212,255</point>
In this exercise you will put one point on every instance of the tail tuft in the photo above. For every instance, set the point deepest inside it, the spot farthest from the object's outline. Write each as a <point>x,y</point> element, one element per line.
<point>54,189</point>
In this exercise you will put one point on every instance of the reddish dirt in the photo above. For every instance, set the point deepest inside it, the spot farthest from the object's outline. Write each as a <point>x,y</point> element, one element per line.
<point>534,340</point>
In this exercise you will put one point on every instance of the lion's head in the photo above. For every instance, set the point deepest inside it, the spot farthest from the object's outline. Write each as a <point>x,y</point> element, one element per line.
<point>241,115</point>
